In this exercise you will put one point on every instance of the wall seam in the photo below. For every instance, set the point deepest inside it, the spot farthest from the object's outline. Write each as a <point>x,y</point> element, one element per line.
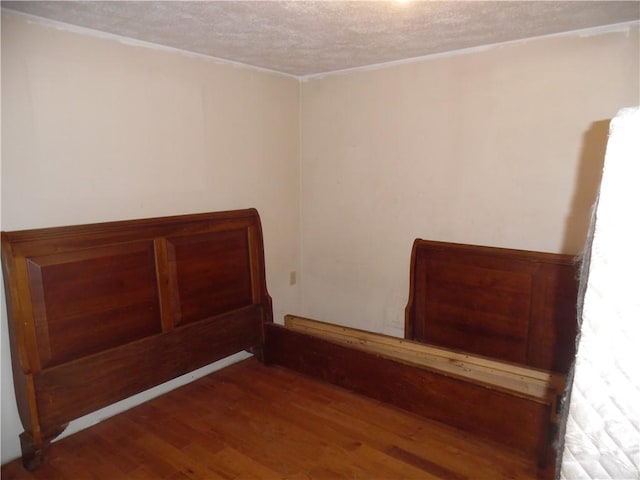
<point>300,275</point>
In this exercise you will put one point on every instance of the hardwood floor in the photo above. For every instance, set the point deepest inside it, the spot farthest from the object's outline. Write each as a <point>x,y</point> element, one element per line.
<point>252,421</point>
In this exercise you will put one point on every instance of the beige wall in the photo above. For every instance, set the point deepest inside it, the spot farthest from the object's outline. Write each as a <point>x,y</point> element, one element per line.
<point>501,146</point>
<point>498,147</point>
<point>96,130</point>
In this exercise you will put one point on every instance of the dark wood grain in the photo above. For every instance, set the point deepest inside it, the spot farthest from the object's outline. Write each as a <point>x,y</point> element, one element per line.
<point>103,311</point>
<point>76,388</point>
<point>88,301</point>
<point>517,421</point>
<point>424,464</point>
<point>513,305</point>
<point>211,273</point>
<point>251,421</point>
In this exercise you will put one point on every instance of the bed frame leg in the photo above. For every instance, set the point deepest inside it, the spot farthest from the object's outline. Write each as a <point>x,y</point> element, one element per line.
<point>33,451</point>
<point>32,454</point>
<point>257,352</point>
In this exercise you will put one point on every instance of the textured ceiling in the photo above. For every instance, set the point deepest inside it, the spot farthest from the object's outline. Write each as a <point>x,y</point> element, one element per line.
<point>311,37</point>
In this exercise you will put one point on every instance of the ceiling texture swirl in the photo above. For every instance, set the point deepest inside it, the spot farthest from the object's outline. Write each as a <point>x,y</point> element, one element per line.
<point>304,38</point>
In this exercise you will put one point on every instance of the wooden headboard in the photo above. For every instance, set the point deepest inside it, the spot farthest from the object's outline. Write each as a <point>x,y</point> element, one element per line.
<point>513,305</point>
<point>100,312</point>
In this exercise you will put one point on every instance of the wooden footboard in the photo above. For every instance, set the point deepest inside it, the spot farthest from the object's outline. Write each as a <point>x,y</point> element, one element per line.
<point>503,402</point>
<point>513,305</point>
<point>100,312</point>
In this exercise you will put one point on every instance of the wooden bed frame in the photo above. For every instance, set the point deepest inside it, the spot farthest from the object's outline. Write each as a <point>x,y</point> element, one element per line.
<point>505,403</point>
<point>466,304</point>
<point>100,312</point>
<point>513,305</point>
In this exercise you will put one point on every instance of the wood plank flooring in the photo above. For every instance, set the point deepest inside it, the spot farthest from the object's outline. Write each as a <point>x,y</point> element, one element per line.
<point>252,421</point>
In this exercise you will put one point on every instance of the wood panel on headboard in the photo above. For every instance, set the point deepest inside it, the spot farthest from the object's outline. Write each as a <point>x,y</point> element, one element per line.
<point>100,312</point>
<point>513,305</point>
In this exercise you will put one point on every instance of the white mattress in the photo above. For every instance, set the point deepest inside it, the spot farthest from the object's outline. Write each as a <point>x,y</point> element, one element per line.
<point>603,429</point>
